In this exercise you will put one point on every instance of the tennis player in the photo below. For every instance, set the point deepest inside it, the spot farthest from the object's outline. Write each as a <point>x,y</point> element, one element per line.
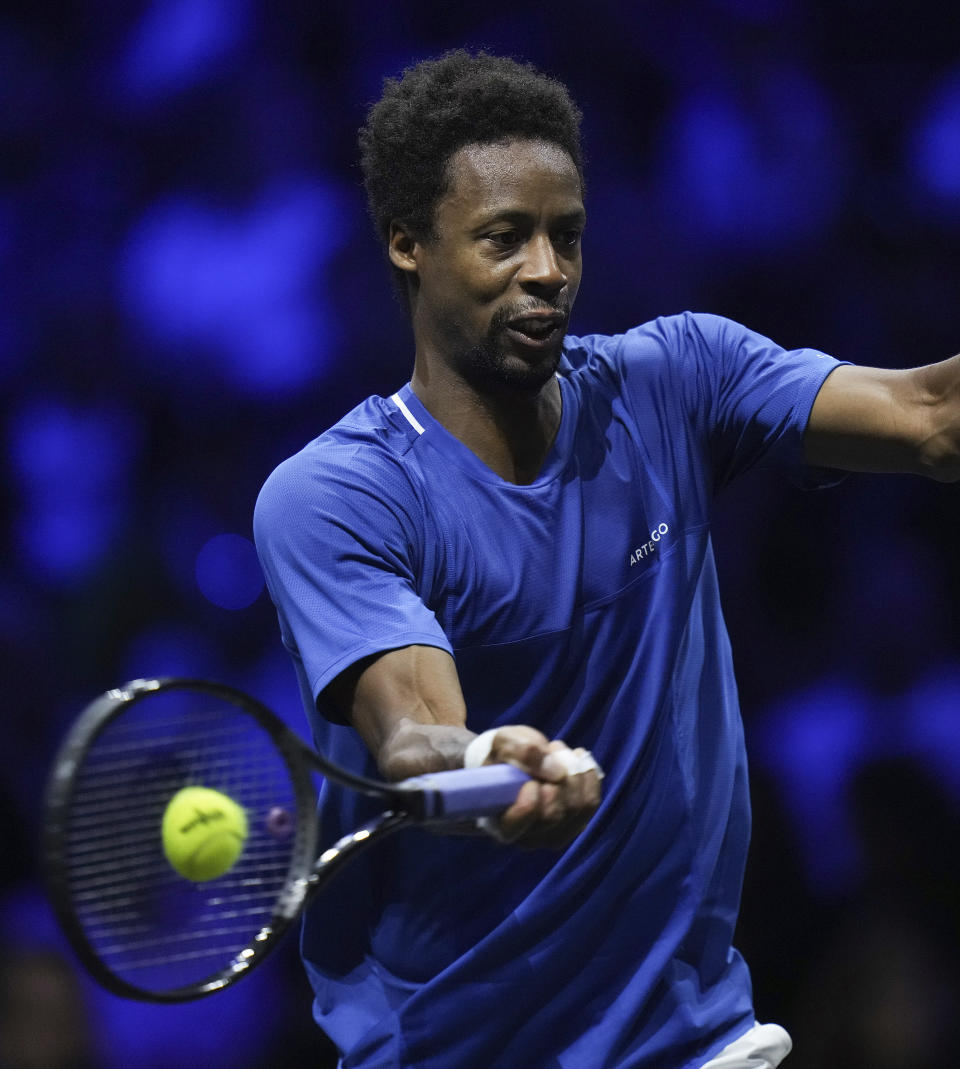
<point>509,559</point>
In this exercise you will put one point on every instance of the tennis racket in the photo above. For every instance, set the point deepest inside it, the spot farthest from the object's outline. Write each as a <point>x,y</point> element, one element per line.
<point>142,930</point>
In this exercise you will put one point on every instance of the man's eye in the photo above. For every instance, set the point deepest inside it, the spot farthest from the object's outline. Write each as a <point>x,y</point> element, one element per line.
<point>505,238</point>
<point>570,238</point>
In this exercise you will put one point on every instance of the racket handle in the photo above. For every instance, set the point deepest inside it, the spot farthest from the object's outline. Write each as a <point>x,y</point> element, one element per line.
<point>464,793</point>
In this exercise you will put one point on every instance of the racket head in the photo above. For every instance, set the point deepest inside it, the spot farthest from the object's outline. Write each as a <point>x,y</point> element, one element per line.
<point>141,929</point>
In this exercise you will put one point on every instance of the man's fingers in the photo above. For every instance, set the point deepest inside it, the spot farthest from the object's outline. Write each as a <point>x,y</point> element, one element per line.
<point>549,814</point>
<point>585,787</point>
<point>520,745</point>
<point>522,814</point>
<point>559,799</point>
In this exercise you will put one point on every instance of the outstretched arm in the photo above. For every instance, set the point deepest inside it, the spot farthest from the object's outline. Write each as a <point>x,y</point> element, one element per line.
<point>873,419</point>
<point>408,708</point>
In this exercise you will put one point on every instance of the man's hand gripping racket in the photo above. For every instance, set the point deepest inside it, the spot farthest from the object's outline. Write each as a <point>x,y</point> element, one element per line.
<point>138,924</point>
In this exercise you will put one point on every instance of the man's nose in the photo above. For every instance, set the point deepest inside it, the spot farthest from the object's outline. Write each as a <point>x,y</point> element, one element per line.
<point>542,269</point>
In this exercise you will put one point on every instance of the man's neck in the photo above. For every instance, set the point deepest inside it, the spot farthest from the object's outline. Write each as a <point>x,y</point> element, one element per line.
<point>510,431</point>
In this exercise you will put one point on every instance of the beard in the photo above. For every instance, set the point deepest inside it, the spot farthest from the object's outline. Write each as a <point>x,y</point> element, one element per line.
<point>490,367</point>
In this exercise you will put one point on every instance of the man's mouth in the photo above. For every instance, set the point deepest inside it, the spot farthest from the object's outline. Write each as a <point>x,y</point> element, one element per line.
<point>536,329</point>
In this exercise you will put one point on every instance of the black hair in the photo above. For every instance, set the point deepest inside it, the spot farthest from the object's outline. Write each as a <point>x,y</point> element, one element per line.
<point>438,106</point>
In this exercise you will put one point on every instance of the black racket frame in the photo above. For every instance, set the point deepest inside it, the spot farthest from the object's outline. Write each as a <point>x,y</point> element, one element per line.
<point>306,875</point>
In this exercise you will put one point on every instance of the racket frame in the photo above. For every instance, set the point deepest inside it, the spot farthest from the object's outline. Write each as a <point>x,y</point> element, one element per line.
<point>299,881</point>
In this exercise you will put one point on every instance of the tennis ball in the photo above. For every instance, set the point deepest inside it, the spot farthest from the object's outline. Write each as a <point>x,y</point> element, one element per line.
<point>203,833</point>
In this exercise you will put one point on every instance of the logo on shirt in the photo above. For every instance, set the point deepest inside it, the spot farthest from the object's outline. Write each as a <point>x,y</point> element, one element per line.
<point>647,548</point>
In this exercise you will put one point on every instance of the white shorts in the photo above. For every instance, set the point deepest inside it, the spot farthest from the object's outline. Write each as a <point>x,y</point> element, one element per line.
<point>763,1047</point>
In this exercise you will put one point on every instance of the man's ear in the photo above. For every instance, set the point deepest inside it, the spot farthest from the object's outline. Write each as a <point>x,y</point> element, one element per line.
<point>402,248</point>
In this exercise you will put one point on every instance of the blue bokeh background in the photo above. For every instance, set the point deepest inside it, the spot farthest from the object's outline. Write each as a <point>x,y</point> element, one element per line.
<point>190,290</point>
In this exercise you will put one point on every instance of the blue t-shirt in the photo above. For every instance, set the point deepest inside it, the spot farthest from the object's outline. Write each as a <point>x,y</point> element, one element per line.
<point>585,604</point>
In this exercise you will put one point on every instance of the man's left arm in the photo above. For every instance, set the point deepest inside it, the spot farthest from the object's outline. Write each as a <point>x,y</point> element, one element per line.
<point>880,420</point>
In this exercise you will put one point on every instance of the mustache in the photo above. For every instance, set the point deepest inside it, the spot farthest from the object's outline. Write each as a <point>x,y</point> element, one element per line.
<point>529,307</point>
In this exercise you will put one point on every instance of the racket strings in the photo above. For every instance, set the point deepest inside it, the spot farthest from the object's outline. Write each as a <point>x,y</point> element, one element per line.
<point>146,922</point>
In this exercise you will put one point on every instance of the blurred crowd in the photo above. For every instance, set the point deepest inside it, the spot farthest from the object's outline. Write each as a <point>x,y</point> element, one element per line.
<point>190,290</point>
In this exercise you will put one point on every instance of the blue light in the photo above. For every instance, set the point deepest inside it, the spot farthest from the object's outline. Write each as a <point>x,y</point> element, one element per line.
<point>816,741</point>
<point>73,467</point>
<point>236,295</point>
<point>936,142</point>
<point>64,542</point>
<point>813,744</point>
<point>172,649</point>
<point>753,169</point>
<point>930,724</point>
<point>178,42</point>
<point>61,450</point>
<point>716,156</point>
<point>276,353</point>
<point>228,571</point>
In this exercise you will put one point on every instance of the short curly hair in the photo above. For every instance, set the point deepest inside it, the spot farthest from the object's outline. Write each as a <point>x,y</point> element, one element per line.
<point>438,106</point>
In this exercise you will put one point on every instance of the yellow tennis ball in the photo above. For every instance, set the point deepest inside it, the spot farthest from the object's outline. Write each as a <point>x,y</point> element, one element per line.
<point>203,833</point>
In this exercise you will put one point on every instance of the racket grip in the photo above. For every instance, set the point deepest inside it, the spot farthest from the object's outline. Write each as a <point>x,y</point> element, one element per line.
<point>465,793</point>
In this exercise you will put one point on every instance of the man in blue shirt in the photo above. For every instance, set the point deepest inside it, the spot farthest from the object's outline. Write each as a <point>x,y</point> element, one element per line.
<point>508,559</point>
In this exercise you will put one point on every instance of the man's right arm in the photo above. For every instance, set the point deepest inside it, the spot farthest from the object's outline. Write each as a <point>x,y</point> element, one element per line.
<point>408,707</point>
<point>889,420</point>
<point>335,554</point>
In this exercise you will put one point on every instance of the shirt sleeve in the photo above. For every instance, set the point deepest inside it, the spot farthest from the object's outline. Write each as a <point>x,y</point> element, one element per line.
<point>339,549</point>
<point>749,398</point>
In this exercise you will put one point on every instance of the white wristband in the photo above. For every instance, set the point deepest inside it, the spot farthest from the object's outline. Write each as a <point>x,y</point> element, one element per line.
<point>478,749</point>
<point>475,755</point>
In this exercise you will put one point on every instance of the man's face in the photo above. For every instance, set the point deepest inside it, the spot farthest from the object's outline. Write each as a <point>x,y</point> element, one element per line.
<point>497,280</point>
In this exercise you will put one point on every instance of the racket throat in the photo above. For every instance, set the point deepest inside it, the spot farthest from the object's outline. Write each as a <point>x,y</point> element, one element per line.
<point>348,847</point>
